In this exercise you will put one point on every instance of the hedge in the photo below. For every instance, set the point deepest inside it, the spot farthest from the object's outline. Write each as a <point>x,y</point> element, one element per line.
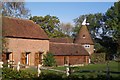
<point>98,58</point>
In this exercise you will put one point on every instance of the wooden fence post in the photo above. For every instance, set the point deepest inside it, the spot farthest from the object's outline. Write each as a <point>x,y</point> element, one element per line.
<point>1,64</point>
<point>18,66</point>
<point>67,70</point>
<point>39,69</point>
<point>108,71</point>
<point>8,63</point>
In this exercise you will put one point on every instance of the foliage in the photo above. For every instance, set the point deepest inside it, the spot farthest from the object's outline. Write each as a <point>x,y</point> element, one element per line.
<point>31,73</point>
<point>98,58</point>
<point>15,9</point>
<point>99,48</point>
<point>110,46</point>
<point>50,24</point>
<point>95,23</point>
<point>49,59</point>
<point>113,21</point>
<point>66,28</point>
<point>9,74</point>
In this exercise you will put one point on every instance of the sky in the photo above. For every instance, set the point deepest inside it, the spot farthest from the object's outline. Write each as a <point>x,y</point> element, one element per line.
<point>67,11</point>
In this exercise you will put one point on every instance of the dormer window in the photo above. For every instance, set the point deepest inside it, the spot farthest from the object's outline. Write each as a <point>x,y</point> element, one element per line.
<point>83,36</point>
<point>87,46</point>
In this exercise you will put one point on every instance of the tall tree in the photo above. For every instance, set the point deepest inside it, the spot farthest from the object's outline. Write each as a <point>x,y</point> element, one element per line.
<point>96,24</point>
<point>15,9</point>
<point>113,21</point>
<point>50,24</point>
<point>66,28</point>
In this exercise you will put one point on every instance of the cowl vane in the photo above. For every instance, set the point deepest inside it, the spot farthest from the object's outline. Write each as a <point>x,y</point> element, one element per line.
<point>84,22</point>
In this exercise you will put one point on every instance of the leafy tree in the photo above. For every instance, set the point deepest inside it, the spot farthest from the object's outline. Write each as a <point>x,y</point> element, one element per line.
<point>113,22</point>
<point>99,48</point>
<point>96,24</point>
<point>50,24</point>
<point>49,60</point>
<point>15,9</point>
<point>109,45</point>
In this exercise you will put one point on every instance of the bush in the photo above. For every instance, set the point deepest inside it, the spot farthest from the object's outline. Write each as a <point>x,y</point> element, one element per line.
<point>9,74</point>
<point>49,60</point>
<point>98,58</point>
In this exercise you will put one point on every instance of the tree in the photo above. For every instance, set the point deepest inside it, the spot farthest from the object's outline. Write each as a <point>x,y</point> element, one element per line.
<point>66,28</point>
<point>113,22</point>
<point>50,24</point>
<point>96,24</point>
<point>49,60</point>
<point>15,9</point>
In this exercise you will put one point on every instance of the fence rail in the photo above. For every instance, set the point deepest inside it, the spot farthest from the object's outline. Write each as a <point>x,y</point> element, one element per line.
<point>99,71</point>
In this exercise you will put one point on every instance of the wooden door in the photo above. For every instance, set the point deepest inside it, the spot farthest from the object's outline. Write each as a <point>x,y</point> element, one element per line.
<point>66,60</point>
<point>23,58</point>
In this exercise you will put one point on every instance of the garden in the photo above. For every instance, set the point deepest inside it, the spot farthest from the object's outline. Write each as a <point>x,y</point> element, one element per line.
<point>86,72</point>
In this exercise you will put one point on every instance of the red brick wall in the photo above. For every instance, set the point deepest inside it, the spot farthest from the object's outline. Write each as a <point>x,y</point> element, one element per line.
<point>59,60</point>
<point>17,46</point>
<point>73,60</point>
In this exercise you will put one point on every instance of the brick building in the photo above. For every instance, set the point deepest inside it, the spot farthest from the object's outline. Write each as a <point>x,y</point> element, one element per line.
<point>27,42</point>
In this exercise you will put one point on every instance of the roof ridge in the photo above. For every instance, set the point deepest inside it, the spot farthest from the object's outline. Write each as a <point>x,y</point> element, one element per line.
<point>18,18</point>
<point>66,43</point>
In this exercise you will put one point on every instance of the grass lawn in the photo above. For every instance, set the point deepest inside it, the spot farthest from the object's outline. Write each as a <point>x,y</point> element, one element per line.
<point>0,72</point>
<point>113,66</point>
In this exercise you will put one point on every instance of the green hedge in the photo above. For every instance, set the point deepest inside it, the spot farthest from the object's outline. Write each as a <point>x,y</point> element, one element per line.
<point>98,58</point>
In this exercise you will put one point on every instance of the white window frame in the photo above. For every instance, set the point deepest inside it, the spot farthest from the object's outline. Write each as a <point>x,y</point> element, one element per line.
<point>87,46</point>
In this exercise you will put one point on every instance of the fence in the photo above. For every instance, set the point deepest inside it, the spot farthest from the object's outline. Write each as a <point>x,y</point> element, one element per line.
<point>68,70</point>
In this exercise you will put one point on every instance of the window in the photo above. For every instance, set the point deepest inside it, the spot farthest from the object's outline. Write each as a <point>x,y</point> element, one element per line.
<point>83,36</point>
<point>87,46</point>
<point>25,58</point>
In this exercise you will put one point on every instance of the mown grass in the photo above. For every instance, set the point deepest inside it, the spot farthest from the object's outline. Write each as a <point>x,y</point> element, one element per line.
<point>96,68</point>
<point>0,72</point>
<point>113,66</point>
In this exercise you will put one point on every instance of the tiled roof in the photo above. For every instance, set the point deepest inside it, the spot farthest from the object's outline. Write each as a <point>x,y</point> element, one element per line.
<point>84,36</point>
<point>67,49</point>
<point>14,27</point>
<point>61,40</point>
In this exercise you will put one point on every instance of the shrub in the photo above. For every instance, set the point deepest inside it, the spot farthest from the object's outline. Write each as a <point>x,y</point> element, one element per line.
<point>9,74</point>
<point>98,58</point>
<point>49,60</point>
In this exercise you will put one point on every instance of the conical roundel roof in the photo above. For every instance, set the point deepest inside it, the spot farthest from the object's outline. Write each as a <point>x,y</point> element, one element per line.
<point>84,36</point>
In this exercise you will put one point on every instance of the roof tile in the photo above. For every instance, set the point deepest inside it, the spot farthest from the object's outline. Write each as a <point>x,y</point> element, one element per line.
<point>14,27</point>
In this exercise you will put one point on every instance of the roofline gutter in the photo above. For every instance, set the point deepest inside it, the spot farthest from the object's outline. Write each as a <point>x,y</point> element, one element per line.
<point>25,38</point>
